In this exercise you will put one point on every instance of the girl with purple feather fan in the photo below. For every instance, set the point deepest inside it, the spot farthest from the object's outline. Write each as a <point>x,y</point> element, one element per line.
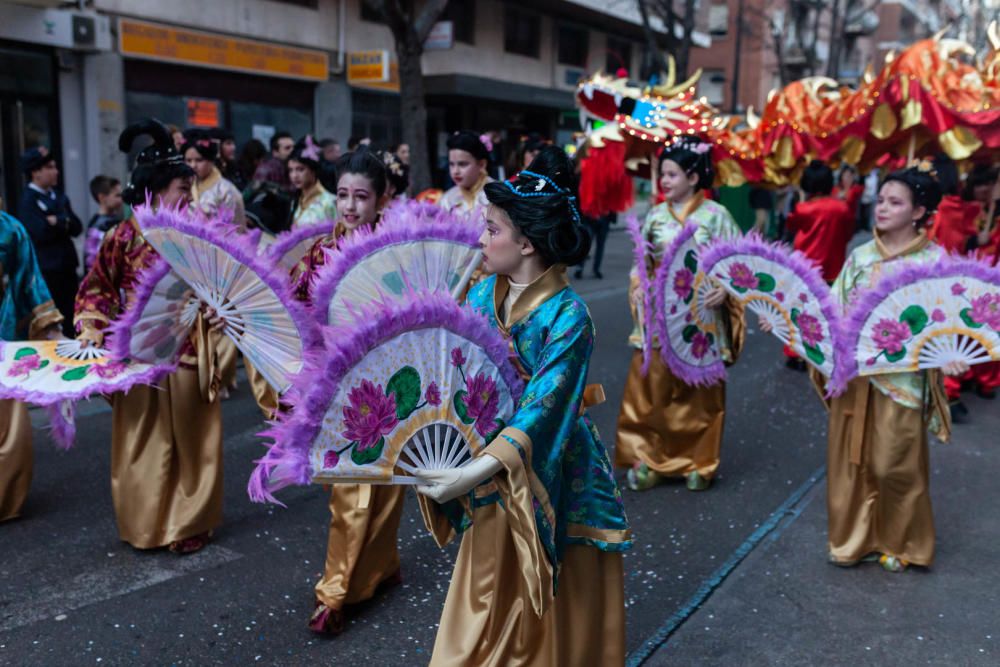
<point>878,499</point>
<point>166,442</point>
<point>540,503</point>
<point>666,427</point>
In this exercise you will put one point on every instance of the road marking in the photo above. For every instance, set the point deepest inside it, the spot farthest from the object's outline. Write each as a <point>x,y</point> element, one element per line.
<point>118,577</point>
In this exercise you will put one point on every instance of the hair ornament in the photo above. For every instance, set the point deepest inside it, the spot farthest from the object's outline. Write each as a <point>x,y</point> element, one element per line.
<point>311,150</point>
<point>487,141</point>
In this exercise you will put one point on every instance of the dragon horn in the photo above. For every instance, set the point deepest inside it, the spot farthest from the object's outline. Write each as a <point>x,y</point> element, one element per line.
<point>993,33</point>
<point>753,120</point>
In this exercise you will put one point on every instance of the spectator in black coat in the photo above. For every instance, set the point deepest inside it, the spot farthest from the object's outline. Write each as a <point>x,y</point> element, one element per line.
<point>47,215</point>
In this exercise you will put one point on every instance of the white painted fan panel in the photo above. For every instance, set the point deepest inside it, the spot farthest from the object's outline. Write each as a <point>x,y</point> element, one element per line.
<point>434,447</point>
<point>164,323</point>
<point>774,317</point>
<point>942,350</point>
<point>433,265</point>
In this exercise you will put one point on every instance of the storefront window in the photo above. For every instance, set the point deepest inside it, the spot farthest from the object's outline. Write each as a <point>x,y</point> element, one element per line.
<point>26,72</point>
<point>522,32</point>
<point>376,116</point>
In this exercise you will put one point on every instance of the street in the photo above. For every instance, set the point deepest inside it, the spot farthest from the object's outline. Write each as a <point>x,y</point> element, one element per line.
<point>715,578</point>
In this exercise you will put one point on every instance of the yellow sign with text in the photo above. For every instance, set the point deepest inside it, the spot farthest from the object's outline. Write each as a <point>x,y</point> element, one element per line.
<point>367,67</point>
<point>152,41</point>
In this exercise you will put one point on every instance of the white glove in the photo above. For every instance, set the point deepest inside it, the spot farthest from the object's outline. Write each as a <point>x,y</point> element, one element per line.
<point>450,483</point>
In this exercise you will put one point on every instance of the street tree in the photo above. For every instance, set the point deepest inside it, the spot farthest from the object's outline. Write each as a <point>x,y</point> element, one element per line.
<point>675,37</point>
<point>411,22</point>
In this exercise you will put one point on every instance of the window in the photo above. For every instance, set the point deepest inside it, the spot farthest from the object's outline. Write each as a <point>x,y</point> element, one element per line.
<point>521,32</point>
<point>718,20</point>
<point>712,86</point>
<point>574,46</point>
<point>618,55</point>
<point>369,14</point>
<point>462,13</point>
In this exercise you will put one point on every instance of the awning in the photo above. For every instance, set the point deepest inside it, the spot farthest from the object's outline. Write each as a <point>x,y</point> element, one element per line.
<point>464,85</point>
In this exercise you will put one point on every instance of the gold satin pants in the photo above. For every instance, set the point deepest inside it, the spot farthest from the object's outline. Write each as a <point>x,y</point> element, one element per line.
<point>673,427</point>
<point>166,462</point>
<point>16,457</point>
<point>878,496</point>
<point>488,620</point>
<point>228,356</point>
<point>265,395</point>
<point>361,550</point>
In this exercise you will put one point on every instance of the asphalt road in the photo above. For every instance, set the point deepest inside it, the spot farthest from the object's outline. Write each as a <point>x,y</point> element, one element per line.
<point>72,594</point>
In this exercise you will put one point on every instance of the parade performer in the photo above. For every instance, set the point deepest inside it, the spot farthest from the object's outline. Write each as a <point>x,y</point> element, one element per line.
<point>667,428</point>
<point>211,193</point>
<point>26,312</point>
<point>539,578</point>
<point>877,464</point>
<point>468,159</point>
<point>166,441</point>
<point>313,204</point>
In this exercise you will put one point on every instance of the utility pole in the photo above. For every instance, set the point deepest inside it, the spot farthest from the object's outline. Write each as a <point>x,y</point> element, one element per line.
<point>734,94</point>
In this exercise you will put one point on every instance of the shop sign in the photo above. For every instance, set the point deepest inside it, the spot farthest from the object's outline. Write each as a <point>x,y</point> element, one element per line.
<point>153,41</point>
<point>442,37</point>
<point>202,112</point>
<point>368,67</point>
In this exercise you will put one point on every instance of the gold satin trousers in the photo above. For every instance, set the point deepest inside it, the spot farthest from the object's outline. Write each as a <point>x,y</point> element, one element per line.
<point>16,457</point>
<point>361,550</point>
<point>229,354</point>
<point>166,462</point>
<point>488,620</point>
<point>671,426</point>
<point>878,497</point>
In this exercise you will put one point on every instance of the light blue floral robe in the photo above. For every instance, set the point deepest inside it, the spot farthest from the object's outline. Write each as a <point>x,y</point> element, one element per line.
<point>26,306</point>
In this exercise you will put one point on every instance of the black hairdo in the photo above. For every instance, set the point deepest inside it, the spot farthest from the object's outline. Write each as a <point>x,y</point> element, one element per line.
<point>470,143</point>
<point>946,173</point>
<point>397,172</point>
<point>924,190</point>
<point>201,141</point>
<point>542,204</point>
<point>366,163</point>
<point>156,165</point>
<point>323,143</point>
<point>221,134</point>
<point>981,174</point>
<point>102,185</point>
<point>817,179</point>
<point>694,156</point>
<point>278,136</point>
<point>268,207</point>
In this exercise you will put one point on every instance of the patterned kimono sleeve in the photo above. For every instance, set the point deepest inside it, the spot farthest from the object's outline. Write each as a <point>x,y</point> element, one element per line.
<point>532,446</point>
<point>98,300</point>
<point>843,286</point>
<point>305,271</point>
<point>731,318</point>
<point>28,300</point>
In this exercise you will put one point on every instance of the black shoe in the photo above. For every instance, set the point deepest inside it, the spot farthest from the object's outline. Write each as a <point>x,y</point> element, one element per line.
<point>598,275</point>
<point>578,274</point>
<point>988,394</point>
<point>958,411</point>
<point>795,364</point>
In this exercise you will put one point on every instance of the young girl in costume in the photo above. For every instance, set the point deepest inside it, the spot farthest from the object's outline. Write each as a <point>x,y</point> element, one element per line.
<point>539,507</point>
<point>166,441</point>
<point>667,428</point>
<point>313,204</point>
<point>211,193</point>
<point>26,312</point>
<point>468,158</point>
<point>877,469</point>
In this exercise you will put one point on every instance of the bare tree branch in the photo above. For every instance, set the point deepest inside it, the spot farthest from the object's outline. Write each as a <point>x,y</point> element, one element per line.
<point>424,23</point>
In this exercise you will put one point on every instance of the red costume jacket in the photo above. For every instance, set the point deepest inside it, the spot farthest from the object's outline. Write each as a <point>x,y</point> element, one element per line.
<point>823,227</point>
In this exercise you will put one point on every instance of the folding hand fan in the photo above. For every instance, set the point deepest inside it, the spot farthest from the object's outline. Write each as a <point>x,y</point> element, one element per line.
<point>419,385</point>
<point>409,250</point>
<point>289,247</point>
<point>784,288</point>
<point>643,297</point>
<point>271,329</point>
<point>54,374</point>
<point>687,330</point>
<point>923,316</point>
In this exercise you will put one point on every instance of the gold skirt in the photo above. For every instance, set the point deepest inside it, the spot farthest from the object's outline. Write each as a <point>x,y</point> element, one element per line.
<point>166,462</point>
<point>228,356</point>
<point>16,457</point>
<point>878,498</point>
<point>488,618</point>
<point>361,551</point>
<point>265,395</point>
<point>673,427</point>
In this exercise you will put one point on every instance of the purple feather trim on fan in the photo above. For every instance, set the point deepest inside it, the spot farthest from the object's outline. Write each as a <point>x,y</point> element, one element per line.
<point>853,322</point>
<point>119,341</point>
<point>794,260</point>
<point>63,430</point>
<point>287,460</point>
<point>150,376</point>
<point>698,376</point>
<point>400,228</point>
<point>640,251</point>
<point>274,277</point>
<point>286,241</point>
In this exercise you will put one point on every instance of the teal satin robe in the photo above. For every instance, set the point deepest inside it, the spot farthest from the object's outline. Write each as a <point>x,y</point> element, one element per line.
<point>25,303</point>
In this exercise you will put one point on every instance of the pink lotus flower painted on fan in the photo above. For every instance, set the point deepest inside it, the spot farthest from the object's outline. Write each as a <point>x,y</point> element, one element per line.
<point>433,394</point>
<point>110,370</point>
<point>986,310</point>
<point>937,315</point>
<point>742,277</point>
<point>810,328</point>
<point>370,415</point>
<point>700,345</point>
<point>683,283</point>
<point>24,365</point>
<point>482,403</point>
<point>457,358</point>
<point>331,459</point>
<point>889,335</point>
<point>958,289</point>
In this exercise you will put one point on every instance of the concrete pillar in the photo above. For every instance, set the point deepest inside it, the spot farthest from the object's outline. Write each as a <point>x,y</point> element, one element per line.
<point>73,156</point>
<point>332,106</point>
<point>104,105</point>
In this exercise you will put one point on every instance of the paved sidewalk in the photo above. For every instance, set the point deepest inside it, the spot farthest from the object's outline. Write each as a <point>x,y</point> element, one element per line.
<point>784,605</point>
